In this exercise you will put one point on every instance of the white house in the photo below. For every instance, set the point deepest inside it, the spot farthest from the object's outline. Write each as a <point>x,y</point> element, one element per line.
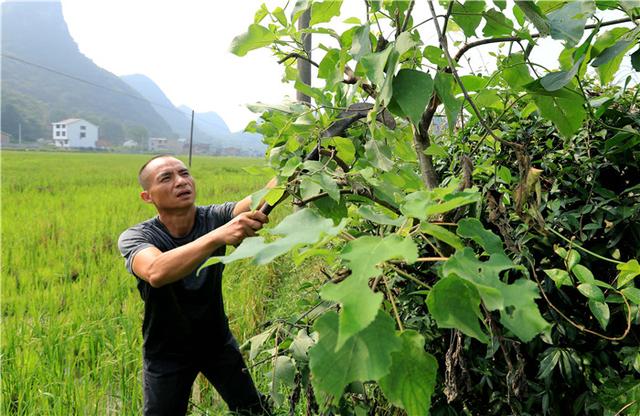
<point>74,132</point>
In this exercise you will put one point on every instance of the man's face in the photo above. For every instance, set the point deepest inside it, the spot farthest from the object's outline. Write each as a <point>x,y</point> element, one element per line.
<point>169,184</point>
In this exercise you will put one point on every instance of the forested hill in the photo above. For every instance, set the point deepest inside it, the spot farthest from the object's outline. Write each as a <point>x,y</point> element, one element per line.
<point>34,93</point>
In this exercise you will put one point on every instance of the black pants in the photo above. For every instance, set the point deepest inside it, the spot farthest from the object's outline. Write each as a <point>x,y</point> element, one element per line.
<point>167,382</point>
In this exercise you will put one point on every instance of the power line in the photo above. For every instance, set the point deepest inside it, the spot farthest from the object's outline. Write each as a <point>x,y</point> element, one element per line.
<point>76,78</point>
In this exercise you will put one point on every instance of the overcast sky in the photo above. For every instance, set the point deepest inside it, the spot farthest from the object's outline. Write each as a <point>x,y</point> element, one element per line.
<point>183,46</point>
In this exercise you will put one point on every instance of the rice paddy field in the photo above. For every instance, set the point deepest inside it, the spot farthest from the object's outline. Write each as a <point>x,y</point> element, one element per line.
<point>71,315</point>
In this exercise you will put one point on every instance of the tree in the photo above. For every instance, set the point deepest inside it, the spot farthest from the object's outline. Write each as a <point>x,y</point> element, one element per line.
<point>485,268</point>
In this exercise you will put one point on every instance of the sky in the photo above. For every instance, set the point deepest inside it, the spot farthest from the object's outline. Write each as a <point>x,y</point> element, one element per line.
<point>183,46</point>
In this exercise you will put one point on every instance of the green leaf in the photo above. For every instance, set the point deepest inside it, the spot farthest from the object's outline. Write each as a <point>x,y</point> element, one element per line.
<point>566,114</point>
<point>412,91</point>
<point>612,52</point>
<point>366,356</point>
<point>284,370</point>
<point>472,228</point>
<point>404,43</point>
<point>559,276</point>
<point>515,71</point>
<point>468,15</point>
<point>361,44</point>
<point>535,16</point>
<point>522,316</point>
<point>423,204</point>
<point>379,155</point>
<point>455,303</point>
<point>601,311</point>
<point>436,56</point>
<point>300,346</point>
<point>443,84</point>
<point>256,37</point>
<point>632,293</point>
<point>628,272</point>
<point>556,80</point>
<point>279,15</point>
<point>298,9</point>
<point>497,24</point>
<point>331,68</point>
<point>301,228</point>
<point>568,22</point>
<point>435,150</point>
<point>359,305</point>
<point>591,291</point>
<point>368,213</point>
<point>365,253</point>
<point>572,258</point>
<point>344,148</point>
<point>412,378</point>
<point>374,65</point>
<point>583,274</point>
<point>323,12</point>
<point>442,234</point>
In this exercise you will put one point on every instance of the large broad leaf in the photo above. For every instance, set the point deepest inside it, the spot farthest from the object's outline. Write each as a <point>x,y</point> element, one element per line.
<point>423,204</point>
<point>374,65</point>
<point>522,315</point>
<point>635,60</point>
<point>568,22</point>
<point>535,16</point>
<point>366,356</point>
<point>516,301</point>
<point>444,84</point>
<point>628,271</point>
<point>360,44</point>
<point>566,114</point>
<point>497,24</point>
<point>412,91</point>
<point>284,370</point>
<point>472,228</point>
<point>412,378</point>
<point>365,253</point>
<point>301,228</point>
<point>601,311</point>
<point>359,305</point>
<point>442,234</point>
<point>468,15</point>
<point>515,71</point>
<point>556,80</point>
<point>331,68</point>
<point>609,50</point>
<point>455,303</point>
<point>255,37</point>
<point>323,12</point>
<point>379,154</point>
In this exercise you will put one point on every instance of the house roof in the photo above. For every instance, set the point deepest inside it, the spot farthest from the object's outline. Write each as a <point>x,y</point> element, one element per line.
<point>72,120</point>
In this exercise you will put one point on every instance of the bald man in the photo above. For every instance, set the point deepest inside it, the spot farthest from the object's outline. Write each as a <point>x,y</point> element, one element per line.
<point>185,328</point>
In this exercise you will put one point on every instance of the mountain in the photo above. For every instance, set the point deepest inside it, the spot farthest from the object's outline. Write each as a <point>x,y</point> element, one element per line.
<point>212,124</point>
<point>45,78</point>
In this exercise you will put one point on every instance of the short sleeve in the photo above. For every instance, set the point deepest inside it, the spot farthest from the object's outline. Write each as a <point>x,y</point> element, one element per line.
<point>221,214</point>
<point>130,243</point>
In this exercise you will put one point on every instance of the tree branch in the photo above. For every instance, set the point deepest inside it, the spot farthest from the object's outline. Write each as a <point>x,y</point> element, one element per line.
<point>298,56</point>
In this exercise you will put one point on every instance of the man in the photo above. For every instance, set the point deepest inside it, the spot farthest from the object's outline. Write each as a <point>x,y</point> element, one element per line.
<point>185,328</point>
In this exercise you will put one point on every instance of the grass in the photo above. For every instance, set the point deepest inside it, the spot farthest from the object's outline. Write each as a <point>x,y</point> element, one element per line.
<point>71,314</point>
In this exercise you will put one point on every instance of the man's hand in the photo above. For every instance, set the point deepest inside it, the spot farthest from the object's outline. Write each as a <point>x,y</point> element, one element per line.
<point>242,226</point>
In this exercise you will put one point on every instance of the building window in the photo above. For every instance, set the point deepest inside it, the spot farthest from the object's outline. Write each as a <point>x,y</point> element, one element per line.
<point>57,133</point>
<point>63,133</point>
<point>83,135</point>
<point>83,127</point>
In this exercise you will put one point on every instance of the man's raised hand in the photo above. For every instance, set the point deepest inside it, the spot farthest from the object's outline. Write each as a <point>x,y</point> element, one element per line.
<point>242,226</point>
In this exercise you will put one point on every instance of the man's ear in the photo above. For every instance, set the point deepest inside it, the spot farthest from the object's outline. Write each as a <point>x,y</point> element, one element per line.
<point>144,195</point>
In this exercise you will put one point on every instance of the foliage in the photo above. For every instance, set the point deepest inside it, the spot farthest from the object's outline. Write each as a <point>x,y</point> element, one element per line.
<point>494,259</point>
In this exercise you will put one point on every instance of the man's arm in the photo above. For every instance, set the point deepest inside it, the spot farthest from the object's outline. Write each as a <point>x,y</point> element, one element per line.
<point>160,268</point>
<point>244,205</point>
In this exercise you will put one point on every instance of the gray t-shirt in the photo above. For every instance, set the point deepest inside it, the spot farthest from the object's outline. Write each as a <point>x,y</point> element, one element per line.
<point>186,316</point>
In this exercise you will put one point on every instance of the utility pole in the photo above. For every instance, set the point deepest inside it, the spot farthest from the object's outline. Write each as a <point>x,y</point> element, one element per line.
<point>191,137</point>
<point>304,66</point>
<point>19,133</point>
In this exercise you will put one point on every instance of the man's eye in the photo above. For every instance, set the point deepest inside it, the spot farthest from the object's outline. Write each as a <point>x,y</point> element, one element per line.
<point>164,179</point>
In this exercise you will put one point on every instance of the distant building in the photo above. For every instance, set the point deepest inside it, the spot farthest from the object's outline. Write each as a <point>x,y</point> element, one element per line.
<point>158,144</point>
<point>6,138</point>
<point>130,144</point>
<point>74,132</point>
